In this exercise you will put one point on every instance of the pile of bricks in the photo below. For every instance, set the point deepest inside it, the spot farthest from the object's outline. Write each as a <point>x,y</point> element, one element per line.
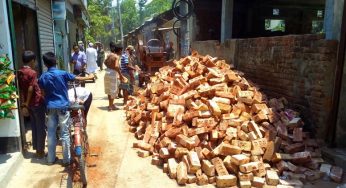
<point>204,123</point>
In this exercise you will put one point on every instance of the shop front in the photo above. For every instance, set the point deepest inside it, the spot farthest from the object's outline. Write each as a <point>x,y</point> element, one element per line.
<point>10,131</point>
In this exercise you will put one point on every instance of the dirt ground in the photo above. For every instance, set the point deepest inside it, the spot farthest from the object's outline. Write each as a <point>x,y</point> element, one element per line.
<point>113,161</point>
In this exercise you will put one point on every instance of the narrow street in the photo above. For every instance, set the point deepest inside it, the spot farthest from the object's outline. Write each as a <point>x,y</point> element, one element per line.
<point>254,97</point>
<point>114,163</point>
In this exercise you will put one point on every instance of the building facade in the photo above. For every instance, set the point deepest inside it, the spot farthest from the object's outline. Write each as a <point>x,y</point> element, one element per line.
<point>70,21</point>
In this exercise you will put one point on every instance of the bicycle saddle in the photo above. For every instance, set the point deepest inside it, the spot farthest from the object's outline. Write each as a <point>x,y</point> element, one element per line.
<point>76,107</point>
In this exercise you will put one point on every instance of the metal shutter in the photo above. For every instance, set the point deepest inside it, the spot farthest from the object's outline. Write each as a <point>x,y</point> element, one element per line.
<point>45,26</point>
<point>28,3</point>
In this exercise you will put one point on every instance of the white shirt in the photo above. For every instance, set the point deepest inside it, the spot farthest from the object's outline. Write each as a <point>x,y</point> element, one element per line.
<point>91,55</point>
<point>82,94</point>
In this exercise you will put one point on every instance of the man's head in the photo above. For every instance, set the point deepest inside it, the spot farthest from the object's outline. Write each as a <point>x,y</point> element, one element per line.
<point>75,48</point>
<point>49,59</point>
<point>29,58</point>
<point>115,48</point>
<point>90,45</point>
<point>130,49</point>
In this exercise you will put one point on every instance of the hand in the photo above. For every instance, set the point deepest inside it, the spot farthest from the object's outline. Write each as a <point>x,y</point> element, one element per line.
<point>123,79</point>
<point>25,105</point>
<point>91,76</point>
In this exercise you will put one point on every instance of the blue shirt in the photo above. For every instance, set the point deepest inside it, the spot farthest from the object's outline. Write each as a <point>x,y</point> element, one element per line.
<point>123,63</point>
<point>80,58</point>
<point>54,84</point>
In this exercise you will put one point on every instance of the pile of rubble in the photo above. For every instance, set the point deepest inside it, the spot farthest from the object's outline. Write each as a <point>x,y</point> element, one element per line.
<point>205,123</point>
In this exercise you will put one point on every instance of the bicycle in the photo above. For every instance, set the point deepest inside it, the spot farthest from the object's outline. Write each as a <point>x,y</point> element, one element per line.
<point>79,137</point>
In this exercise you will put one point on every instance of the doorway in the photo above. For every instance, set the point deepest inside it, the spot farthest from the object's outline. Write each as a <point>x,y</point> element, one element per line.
<point>26,36</point>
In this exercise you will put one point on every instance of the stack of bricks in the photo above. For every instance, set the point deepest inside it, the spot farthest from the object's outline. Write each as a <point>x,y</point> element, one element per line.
<point>204,123</point>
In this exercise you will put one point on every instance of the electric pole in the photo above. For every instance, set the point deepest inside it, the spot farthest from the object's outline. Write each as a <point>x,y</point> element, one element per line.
<point>141,5</point>
<point>120,24</point>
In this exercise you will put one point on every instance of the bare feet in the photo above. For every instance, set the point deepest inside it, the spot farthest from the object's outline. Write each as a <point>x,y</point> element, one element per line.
<point>111,108</point>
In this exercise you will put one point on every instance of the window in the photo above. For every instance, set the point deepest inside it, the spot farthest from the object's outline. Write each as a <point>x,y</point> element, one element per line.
<point>276,12</point>
<point>320,14</point>
<point>317,26</point>
<point>275,25</point>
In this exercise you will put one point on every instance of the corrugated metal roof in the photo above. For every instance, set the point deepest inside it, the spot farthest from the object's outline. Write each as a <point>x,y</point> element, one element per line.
<point>163,17</point>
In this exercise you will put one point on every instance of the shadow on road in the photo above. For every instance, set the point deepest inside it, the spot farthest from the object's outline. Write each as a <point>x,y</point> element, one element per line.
<point>4,158</point>
<point>105,108</point>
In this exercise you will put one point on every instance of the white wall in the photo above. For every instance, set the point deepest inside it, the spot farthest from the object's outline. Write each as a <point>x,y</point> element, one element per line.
<point>8,127</point>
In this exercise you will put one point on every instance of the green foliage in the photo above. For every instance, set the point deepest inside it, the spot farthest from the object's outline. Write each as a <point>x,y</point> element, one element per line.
<point>129,15</point>
<point>156,7</point>
<point>100,20</point>
<point>7,89</point>
<point>133,16</point>
<point>133,13</point>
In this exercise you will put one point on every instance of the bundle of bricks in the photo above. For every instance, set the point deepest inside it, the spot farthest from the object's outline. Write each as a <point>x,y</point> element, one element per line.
<point>206,124</point>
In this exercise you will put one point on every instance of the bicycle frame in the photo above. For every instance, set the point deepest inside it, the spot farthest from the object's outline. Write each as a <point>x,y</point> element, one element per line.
<point>79,137</point>
<point>78,130</point>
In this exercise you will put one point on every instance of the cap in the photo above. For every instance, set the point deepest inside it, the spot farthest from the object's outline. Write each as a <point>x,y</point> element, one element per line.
<point>130,47</point>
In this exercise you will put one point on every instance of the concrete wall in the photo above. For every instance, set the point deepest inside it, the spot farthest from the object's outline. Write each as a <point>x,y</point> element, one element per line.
<point>333,18</point>
<point>224,50</point>
<point>9,128</point>
<point>341,122</point>
<point>298,67</point>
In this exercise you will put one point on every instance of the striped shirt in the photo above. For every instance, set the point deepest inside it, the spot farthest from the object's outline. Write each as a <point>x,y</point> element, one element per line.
<point>124,63</point>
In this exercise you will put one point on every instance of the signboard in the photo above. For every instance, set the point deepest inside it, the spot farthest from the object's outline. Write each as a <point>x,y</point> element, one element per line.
<point>59,10</point>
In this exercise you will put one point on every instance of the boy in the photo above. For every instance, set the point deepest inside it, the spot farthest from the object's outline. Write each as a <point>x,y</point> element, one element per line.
<point>32,100</point>
<point>55,87</point>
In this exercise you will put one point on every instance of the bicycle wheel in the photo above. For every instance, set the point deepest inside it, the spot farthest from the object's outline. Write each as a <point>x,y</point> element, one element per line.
<point>83,170</point>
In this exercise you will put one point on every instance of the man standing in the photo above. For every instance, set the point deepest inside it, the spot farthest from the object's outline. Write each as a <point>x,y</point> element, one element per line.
<point>81,46</point>
<point>100,56</point>
<point>131,62</point>
<point>78,60</point>
<point>32,100</point>
<point>91,55</point>
<point>126,69</point>
<point>170,53</point>
<point>55,87</point>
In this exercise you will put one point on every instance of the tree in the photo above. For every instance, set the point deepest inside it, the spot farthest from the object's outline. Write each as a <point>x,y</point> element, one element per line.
<point>129,15</point>
<point>156,7</point>
<point>100,21</point>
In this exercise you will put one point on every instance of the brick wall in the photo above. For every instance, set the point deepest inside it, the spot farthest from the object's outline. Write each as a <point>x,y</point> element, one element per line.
<point>298,67</point>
